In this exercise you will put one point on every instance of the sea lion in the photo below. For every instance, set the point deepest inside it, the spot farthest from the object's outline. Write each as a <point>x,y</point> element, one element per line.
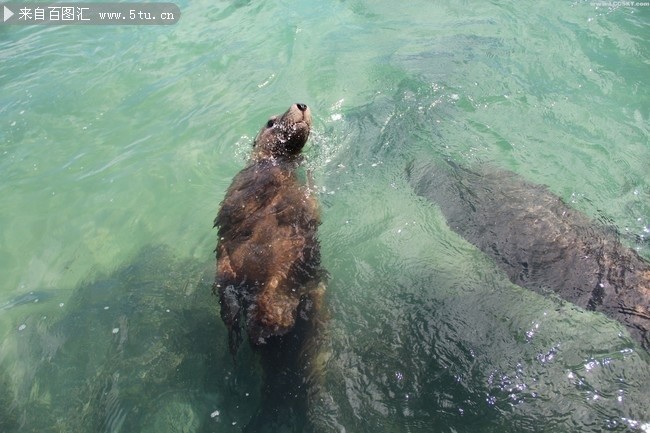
<point>268,256</point>
<point>268,265</point>
<point>541,242</point>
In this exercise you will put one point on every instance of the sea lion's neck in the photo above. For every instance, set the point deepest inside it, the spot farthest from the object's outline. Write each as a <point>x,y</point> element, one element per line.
<point>289,162</point>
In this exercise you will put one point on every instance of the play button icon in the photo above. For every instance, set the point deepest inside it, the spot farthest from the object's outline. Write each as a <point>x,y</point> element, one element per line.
<point>7,14</point>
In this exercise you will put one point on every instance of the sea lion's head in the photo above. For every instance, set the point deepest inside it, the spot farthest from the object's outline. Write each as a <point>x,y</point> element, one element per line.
<point>284,135</point>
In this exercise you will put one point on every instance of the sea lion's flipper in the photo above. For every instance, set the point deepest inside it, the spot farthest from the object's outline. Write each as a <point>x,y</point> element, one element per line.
<point>230,314</point>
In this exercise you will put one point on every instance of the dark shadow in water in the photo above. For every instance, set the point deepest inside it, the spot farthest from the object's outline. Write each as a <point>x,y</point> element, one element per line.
<point>31,297</point>
<point>139,350</point>
<point>8,416</point>
<point>540,242</point>
<point>284,396</point>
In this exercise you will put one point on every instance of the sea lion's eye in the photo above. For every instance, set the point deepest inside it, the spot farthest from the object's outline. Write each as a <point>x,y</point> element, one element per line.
<point>270,123</point>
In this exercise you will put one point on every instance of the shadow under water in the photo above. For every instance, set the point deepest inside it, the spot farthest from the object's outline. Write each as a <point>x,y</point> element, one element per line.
<point>136,350</point>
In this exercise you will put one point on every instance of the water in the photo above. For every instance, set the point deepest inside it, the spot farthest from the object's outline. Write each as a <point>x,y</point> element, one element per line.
<point>117,144</point>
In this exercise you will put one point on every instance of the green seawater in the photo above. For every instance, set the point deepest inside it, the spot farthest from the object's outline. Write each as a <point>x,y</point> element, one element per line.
<point>117,144</point>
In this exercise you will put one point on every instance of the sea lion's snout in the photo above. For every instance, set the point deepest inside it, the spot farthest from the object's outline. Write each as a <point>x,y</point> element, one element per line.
<point>297,113</point>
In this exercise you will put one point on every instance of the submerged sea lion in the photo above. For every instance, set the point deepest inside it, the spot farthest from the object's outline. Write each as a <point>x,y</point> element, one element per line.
<point>540,242</point>
<point>268,259</point>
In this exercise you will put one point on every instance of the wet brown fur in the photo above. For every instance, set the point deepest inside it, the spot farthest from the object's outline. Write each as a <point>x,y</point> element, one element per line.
<point>268,257</point>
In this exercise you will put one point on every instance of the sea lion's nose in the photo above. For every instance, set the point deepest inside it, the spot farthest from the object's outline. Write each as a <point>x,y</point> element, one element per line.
<point>301,107</point>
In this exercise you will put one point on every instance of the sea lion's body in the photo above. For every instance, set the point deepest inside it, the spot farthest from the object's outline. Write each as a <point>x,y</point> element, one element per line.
<point>540,242</point>
<point>268,267</point>
<point>268,251</point>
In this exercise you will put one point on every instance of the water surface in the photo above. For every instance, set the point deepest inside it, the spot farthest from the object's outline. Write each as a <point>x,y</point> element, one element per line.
<point>117,144</point>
